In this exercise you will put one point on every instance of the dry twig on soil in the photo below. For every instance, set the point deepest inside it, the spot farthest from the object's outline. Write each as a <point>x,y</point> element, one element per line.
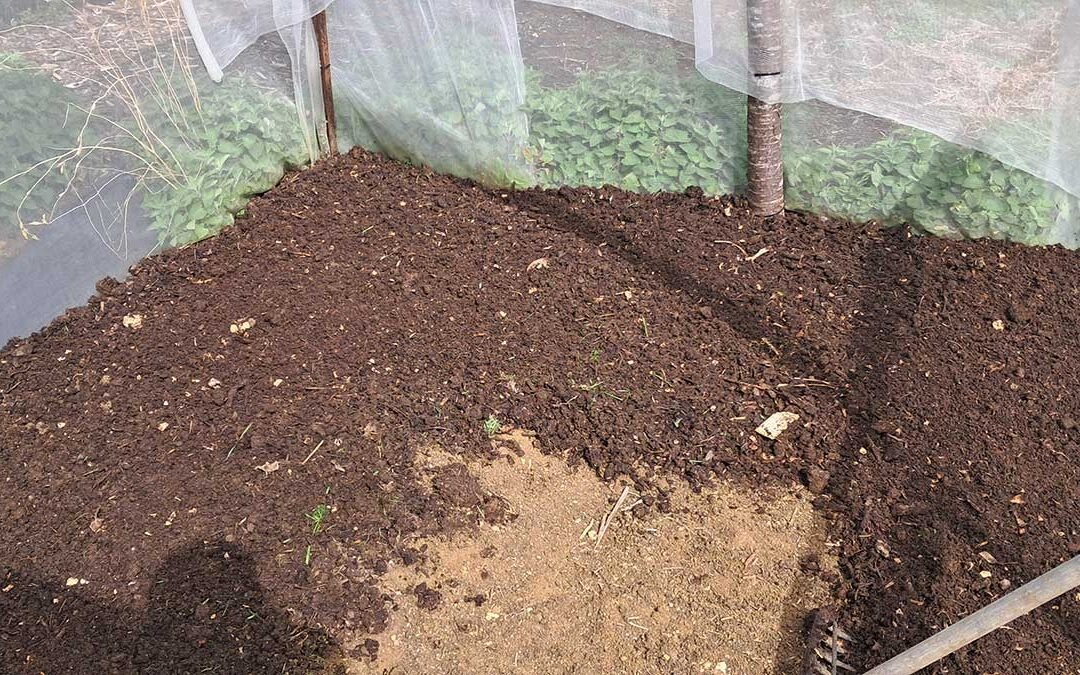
<point>605,522</point>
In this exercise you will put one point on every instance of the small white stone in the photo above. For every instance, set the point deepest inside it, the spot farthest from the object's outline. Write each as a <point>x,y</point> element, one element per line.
<point>72,581</point>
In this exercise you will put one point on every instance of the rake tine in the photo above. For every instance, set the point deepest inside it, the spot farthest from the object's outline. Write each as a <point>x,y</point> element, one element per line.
<point>835,648</point>
<point>830,642</point>
<point>842,634</point>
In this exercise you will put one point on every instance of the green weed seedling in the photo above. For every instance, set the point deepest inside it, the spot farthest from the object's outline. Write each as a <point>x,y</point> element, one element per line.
<point>318,517</point>
<point>597,389</point>
<point>492,425</point>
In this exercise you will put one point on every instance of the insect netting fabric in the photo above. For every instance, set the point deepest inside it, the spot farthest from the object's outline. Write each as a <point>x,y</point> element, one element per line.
<point>954,116</point>
<point>131,125</point>
<point>115,141</point>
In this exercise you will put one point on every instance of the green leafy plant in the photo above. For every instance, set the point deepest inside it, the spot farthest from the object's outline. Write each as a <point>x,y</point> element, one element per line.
<point>915,177</point>
<point>35,120</point>
<point>655,129</point>
<point>458,113</point>
<point>642,130</point>
<point>237,144</point>
<point>194,151</point>
<point>318,517</point>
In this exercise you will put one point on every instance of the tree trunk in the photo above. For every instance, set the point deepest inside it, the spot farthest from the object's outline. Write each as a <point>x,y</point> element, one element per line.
<point>765,170</point>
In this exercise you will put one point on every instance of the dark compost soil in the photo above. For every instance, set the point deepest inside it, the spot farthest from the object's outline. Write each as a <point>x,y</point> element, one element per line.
<point>161,459</point>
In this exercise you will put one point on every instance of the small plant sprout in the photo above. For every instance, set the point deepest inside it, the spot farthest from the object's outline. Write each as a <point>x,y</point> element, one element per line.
<point>492,425</point>
<point>307,556</point>
<point>318,517</point>
<point>594,356</point>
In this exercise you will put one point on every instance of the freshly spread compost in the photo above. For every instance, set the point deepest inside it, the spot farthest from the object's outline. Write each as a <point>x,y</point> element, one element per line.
<point>211,464</point>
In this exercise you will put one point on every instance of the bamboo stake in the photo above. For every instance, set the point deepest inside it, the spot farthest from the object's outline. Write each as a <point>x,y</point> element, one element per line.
<point>765,159</point>
<point>1043,589</point>
<point>322,39</point>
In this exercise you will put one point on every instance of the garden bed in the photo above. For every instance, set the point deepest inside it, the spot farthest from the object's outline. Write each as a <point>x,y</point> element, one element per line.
<point>169,449</point>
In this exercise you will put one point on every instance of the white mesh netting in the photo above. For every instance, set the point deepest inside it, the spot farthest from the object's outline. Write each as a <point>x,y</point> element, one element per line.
<point>128,125</point>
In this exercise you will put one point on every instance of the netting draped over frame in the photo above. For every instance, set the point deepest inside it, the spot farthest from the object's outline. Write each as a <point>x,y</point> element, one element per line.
<point>444,83</point>
<point>145,123</point>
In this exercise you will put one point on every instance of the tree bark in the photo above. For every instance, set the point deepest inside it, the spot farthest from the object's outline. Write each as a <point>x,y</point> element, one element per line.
<point>765,159</point>
<point>322,40</point>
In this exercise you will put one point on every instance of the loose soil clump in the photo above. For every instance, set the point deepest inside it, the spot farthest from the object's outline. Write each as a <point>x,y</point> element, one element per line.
<point>269,397</point>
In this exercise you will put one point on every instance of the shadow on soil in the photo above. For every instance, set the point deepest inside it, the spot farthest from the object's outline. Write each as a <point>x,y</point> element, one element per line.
<point>205,612</point>
<point>554,207</point>
<point>889,286</point>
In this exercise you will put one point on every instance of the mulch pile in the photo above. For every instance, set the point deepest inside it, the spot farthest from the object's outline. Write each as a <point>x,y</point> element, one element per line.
<point>165,447</point>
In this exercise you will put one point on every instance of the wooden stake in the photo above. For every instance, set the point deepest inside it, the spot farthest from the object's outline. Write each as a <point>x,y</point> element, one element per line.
<point>765,170</point>
<point>322,39</point>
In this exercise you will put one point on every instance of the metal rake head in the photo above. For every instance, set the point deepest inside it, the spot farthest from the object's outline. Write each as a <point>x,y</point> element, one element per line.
<point>829,645</point>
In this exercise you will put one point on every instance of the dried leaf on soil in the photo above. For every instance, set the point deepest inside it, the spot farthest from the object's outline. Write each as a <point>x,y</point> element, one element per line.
<point>776,424</point>
<point>269,467</point>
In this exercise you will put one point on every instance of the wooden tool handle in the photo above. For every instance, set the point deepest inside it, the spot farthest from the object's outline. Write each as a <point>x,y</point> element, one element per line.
<point>1061,579</point>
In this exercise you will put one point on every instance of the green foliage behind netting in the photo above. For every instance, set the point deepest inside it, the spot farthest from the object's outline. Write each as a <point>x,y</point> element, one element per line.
<point>657,130</point>
<point>235,144</point>
<point>36,124</point>
<point>915,177</point>
<point>641,130</point>
<point>195,159</point>
<point>453,114</point>
<point>473,136</point>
